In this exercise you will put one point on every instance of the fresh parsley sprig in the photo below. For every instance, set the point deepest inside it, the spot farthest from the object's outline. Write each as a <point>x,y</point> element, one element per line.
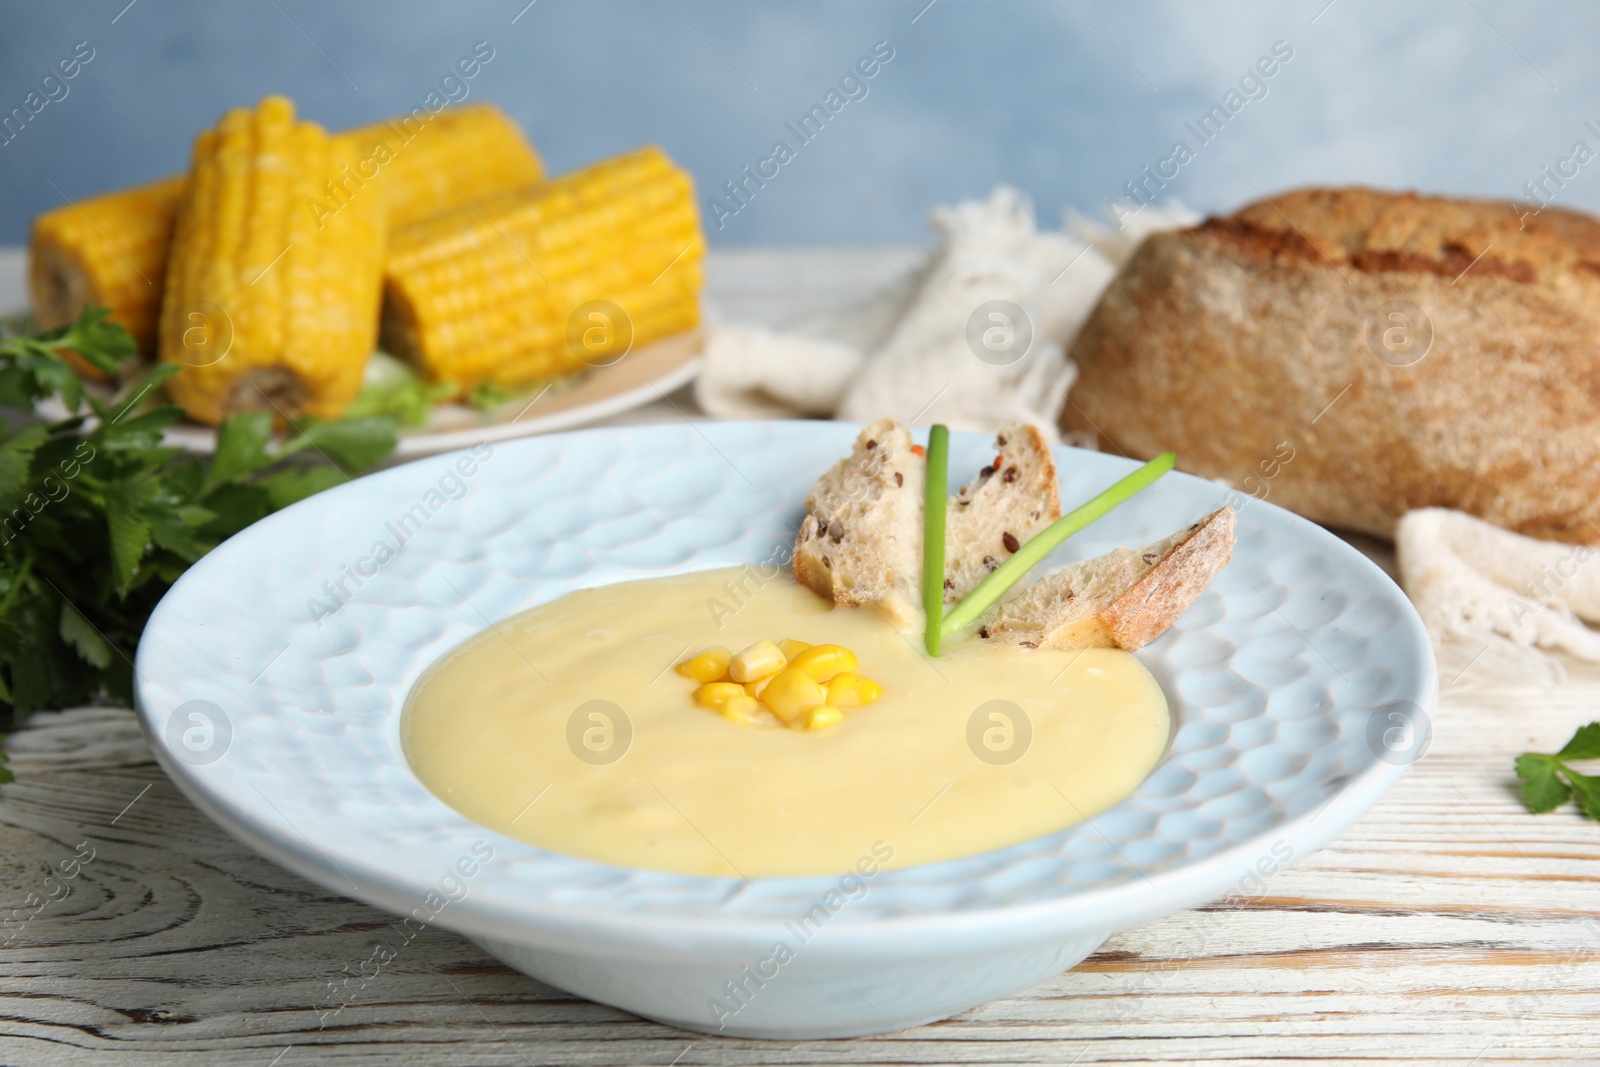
<point>98,517</point>
<point>32,368</point>
<point>1547,781</point>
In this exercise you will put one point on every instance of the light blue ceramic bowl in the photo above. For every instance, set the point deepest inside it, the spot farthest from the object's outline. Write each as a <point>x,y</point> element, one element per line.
<point>272,677</point>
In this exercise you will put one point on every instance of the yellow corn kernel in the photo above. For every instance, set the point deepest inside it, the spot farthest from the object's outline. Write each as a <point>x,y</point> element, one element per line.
<point>792,691</point>
<point>791,648</point>
<point>757,687</point>
<point>741,709</point>
<point>760,660</point>
<point>715,694</point>
<point>849,690</point>
<point>818,718</point>
<point>709,666</point>
<point>822,662</point>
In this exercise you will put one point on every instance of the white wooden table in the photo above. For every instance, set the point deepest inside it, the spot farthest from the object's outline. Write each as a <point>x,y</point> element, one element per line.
<point>1447,927</point>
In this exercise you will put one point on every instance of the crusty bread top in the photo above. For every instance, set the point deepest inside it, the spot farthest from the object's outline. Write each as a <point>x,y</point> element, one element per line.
<point>1373,231</point>
<point>1184,565</point>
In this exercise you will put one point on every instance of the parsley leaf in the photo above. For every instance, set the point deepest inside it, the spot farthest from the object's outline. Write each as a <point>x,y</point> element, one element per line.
<point>392,388</point>
<point>355,444</point>
<point>1585,744</point>
<point>293,484</point>
<point>487,395</point>
<point>102,344</point>
<point>77,632</point>
<point>1547,781</point>
<point>241,446</point>
<point>1587,789</point>
<point>16,459</point>
<point>1542,789</point>
<point>129,532</point>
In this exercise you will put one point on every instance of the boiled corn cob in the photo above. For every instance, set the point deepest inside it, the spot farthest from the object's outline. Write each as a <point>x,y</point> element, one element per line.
<point>112,249</point>
<point>457,158</point>
<point>109,250</point>
<point>566,275</point>
<point>263,308</point>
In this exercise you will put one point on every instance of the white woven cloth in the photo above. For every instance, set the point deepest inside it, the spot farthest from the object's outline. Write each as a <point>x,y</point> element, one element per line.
<point>1484,591</point>
<point>919,351</point>
<point>932,349</point>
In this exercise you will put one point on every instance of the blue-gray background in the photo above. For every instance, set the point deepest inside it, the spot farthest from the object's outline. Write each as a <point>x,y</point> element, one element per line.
<point>1065,100</point>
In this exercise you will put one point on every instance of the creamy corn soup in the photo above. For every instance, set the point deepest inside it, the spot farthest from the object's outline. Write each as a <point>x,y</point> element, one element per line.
<point>568,727</point>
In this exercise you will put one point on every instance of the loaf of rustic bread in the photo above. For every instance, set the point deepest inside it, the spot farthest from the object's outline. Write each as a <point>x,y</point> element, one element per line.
<point>1353,354</point>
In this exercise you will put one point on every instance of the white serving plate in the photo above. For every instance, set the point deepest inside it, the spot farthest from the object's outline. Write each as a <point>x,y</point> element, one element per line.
<point>649,373</point>
<point>1301,684</point>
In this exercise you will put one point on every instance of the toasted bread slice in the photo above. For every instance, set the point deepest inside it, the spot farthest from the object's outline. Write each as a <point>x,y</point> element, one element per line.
<point>991,517</point>
<point>861,541</point>
<point>1123,599</point>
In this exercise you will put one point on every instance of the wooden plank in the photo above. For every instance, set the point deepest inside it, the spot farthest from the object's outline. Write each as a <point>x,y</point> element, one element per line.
<point>1449,926</point>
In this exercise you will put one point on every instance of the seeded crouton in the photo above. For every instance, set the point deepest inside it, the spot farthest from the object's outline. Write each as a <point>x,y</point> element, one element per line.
<point>861,541</point>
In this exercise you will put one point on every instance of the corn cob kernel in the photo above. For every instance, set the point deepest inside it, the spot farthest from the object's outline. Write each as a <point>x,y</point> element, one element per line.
<point>759,686</point>
<point>818,718</point>
<point>715,694</point>
<point>760,660</point>
<point>822,662</point>
<point>709,666</point>
<point>740,709</point>
<point>849,690</point>
<point>791,648</point>
<point>557,278</point>
<point>299,295</point>
<point>792,691</point>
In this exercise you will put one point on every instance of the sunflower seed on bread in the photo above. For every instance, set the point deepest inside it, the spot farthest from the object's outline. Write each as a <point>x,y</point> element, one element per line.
<point>1123,599</point>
